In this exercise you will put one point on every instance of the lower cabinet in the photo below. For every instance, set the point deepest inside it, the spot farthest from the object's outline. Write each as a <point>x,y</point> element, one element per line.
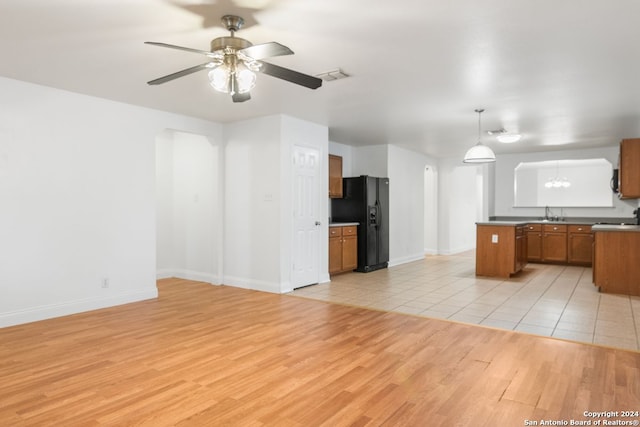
<point>580,245</point>
<point>534,242</point>
<point>554,243</point>
<point>343,249</point>
<point>521,248</point>
<point>616,268</point>
<point>501,250</point>
<point>560,243</point>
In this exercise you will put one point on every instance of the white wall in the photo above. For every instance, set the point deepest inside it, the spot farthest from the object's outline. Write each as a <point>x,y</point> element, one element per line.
<point>406,205</point>
<point>371,160</point>
<point>252,204</point>
<point>189,207</point>
<point>504,173</point>
<point>77,184</point>
<point>431,201</point>
<point>461,204</point>
<point>258,206</point>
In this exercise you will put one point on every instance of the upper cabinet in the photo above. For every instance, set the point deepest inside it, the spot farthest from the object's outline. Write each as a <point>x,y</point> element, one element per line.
<point>629,173</point>
<point>335,176</point>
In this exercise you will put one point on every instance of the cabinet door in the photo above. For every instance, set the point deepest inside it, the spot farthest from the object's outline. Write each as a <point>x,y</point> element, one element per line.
<point>629,174</point>
<point>335,254</point>
<point>349,253</point>
<point>335,176</point>
<point>554,247</point>
<point>495,250</point>
<point>580,248</point>
<point>534,246</point>
<point>521,251</point>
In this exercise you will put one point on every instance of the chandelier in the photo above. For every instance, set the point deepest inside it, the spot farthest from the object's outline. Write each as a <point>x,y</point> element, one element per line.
<point>557,181</point>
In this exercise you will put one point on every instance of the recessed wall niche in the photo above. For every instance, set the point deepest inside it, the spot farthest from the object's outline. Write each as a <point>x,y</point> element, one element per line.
<point>563,183</point>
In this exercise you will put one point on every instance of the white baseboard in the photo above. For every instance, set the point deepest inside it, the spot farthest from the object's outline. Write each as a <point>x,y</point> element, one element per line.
<point>34,314</point>
<point>457,250</point>
<point>406,259</point>
<point>256,285</point>
<point>197,276</point>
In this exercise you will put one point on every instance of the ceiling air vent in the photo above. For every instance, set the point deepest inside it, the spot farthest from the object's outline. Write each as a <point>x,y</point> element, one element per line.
<point>330,76</point>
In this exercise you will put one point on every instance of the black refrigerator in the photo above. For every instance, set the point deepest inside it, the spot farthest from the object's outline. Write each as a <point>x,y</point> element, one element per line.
<point>366,201</point>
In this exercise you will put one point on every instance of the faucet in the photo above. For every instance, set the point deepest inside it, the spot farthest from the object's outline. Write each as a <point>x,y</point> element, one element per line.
<point>549,216</point>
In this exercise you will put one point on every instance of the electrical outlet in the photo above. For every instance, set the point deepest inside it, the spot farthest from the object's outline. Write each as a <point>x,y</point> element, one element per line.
<point>105,282</point>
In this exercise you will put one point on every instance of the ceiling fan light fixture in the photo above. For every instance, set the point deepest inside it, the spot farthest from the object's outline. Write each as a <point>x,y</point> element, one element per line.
<point>479,153</point>
<point>232,77</point>
<point>233,63</point>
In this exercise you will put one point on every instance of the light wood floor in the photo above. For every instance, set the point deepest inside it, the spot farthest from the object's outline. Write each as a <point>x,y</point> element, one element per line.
<point>206,355</point>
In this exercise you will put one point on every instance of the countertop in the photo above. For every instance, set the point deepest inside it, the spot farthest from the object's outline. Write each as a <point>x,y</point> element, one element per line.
<point>612,227</point>
<point>594,227</point>
<point>570,222</point>
<point>504,223</point>
<point>342,224</point>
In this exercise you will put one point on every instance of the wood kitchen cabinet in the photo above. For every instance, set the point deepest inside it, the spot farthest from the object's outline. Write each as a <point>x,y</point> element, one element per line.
<point>560,243</point>
<point>554,243</point>
<point>615,262</point>
<point>521,248</point>
<point>629,169</point>
<point>335,176</point>
<point>343,249</point>
<point>534,242</point>
<point>501,250</point>
<point>579,245</point>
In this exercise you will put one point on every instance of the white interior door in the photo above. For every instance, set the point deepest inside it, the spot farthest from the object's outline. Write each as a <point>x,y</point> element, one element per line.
<point>306,216</point>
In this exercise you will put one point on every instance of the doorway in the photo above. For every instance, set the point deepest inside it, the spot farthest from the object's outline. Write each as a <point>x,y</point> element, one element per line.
<point>430,210</point>
<point>188,218</point>
<point>306,216</point>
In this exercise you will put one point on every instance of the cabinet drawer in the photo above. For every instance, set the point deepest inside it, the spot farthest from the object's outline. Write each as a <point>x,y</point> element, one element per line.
<point>555,228</point>
<point>534,227</point>
<point>335,231</point>
<point>579,229</point>
<point>350,230</point>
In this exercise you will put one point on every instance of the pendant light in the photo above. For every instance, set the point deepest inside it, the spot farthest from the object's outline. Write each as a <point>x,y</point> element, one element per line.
<point>479,153</point>
<point>557,181</point>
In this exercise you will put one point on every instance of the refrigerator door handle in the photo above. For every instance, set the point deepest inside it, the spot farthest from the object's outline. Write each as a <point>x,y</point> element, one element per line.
<point>373,216</point>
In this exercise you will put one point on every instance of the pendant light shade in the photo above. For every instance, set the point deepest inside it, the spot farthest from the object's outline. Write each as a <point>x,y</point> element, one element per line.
<point>479,153</point>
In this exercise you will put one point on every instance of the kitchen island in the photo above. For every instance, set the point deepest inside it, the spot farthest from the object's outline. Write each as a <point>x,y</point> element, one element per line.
<point>616,265</point>
<point>501,248</point>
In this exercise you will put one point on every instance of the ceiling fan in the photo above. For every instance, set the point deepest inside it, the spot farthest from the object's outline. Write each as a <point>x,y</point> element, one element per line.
<point>233,63</point>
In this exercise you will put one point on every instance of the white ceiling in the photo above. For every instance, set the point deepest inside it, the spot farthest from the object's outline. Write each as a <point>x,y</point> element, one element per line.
<point>564,73</point>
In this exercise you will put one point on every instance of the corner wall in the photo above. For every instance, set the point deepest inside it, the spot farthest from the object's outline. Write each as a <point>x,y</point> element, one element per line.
<point>77,184</point>
<point>258,200</point>
<point>188,222</point>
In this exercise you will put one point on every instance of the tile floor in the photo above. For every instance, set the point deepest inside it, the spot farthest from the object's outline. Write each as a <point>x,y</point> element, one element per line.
<point>550,300</point>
